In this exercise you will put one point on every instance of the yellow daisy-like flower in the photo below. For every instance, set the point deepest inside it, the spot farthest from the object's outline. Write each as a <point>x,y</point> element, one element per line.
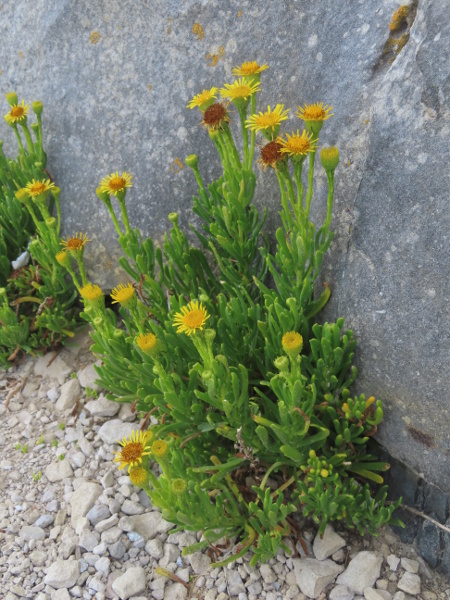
<point>138,476</point>
<point>314,112</point>
<point>239,89</point>
<point>292,341</point>
<point>134,449</point>
<point>93,294</point>
<point>204,99</point>
<point>146,341</point>
<point>268,121</point>
<point>36,188</point>
<point>159,448</point>
<point>250,67</point>
<point>17,113</point>
<point>76,244</point>
<point>179,486</point>
<point>329,157</point>
<point>191,318</point>
<point>116,184</point>
<point>296,145</point>
<point>124,294</point>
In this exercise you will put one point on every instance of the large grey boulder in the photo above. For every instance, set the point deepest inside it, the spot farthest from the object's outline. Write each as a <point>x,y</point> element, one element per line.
<point>115,80</point>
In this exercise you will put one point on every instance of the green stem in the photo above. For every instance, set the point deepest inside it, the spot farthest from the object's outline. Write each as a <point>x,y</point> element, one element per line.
<point>27,134</point>
<point>19,139</point>
<point>330,177</point>
<point>234,154</point>
<point>40,141</point>
<point>74,277</point>
<point>242,116</point>
<point>112,214</point>
<point>252,135</point>
<point>268,472</point>
<point>298,168</point>
<point>124,213</point>
<point>79,260</point>
<point>309,193</point>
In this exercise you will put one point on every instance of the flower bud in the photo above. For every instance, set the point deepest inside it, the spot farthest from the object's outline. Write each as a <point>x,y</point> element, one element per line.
<point>22,195</point>
<point>281,363</point>
<point>173,218</point>
<point>329,157</point>
<point>12,98</point>
<point>192,161</point>
<point>37,107</point>
<point>51,222</point>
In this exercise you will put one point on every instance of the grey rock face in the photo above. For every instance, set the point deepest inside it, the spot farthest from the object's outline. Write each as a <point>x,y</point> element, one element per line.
<point>108,107</point>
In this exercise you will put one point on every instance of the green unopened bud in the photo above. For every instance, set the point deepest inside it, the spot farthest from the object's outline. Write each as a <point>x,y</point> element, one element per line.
<point>192,161</point>
<point>207,374</point>
<point>97,322</point>
<point>22,195</point>
<point>173,218</point>
<point>312,454</point>
<point>104,196</point>
<point>55,192</point>
<point>35,128</point>
<point>12,98</point>
<point>64,259</point>
<point>51,223</point>
<point>118,333</point>
<point>209,335</point>
<point>204,298</point>
<point>2,292</point>
<point>37,107</point>
<point>329,157</point>
<point>281,363</point>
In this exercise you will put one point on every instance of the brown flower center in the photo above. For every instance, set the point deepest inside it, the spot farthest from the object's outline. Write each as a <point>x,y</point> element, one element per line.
<point>38,188</point>
<point>314,113</point>
<point>117,183</point>
<point>214,115</point>
<point>74,244</point>
<point>270,153</point>
<point>17,111</point>
<point>132,452</point>
<point>298,145</point>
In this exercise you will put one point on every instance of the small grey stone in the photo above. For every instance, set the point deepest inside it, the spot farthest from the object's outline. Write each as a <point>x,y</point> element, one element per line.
<point>52,366</point>
<point>329,543</point>
<point>100,550</point>
<point>314,575</point>
<point>362,571</point>
<point>83,499</point>
<point>44,521</point>
<point>235,583</point>
<point>132,508</point>
<point>199,562</point>
<point>88,540</point>
<point>107,524</point>
<point>175,591</point>
<point>255,588</point>
<point>87,376</point>
<point>102,407</point>
<point>103,565</point>
<point>111,535</point>
<point>107,480</point>
<point>131,583</point>
<point>155,548</point>
<point>98,513</point>
<point>112,432</point>
<point>412,566</point>
<point>28,532</point>
<point>78,459</point>
<point>61,594</point>
<point>117,550</point>
<point>58,471</point>
<point>70,392</point>
<point>393,562</point>
<point>86,447</point>
<point>341,592</point>
<point>372,594</point>
<point>410,583</point>
<point>62,574</point>
<point>267,574</point>
<point>171,553</point>
<point>38,558</point>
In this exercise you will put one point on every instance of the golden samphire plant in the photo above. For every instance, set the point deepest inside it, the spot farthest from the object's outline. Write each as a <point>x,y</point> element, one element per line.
<point>254,418</point>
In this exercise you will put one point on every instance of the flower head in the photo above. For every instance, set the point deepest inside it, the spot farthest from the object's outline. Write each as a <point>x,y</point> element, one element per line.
<point>271,155</point>
<point>17,114</point>
<point>147,342</point>
<point>75,244</point>
<point>36,188</point>
<point>250,67</point>
<point>297,146</point>
<point>215,116</point>
<point>179,486</point>
<point>134,449</point>
<point>93,294</point>
<point>124,294</point>
<point>329,157</point>
<point>138,476</point>
<point>268,122</point>
<point>314,115</point>
<point>204,99</point>
<point>292,343</point>
<point>191,318</point>
<point>116,184</point>
<point>63,259</point>
<point>239,90</point>
<point>159,448</point>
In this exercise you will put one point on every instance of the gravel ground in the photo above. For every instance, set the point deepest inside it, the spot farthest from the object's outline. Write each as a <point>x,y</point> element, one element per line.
<point>73,526</point>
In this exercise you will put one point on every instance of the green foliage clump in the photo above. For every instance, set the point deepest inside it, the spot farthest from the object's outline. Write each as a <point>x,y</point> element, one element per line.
<point>36,300</point>
<point>254,417</point>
